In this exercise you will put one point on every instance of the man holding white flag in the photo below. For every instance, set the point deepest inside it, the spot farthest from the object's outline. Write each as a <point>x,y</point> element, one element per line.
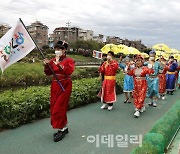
<point>15,45</point>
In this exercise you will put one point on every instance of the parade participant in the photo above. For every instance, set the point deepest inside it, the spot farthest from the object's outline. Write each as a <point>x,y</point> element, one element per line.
<point>128,80</point>
<point>108,91</point>
<point>153,80</point>
<point>162,77</point>
<point>178,76</point>
<point>63,67</point>
<point>171,75</point>
<point>176,72</point>
<point>140,84</point>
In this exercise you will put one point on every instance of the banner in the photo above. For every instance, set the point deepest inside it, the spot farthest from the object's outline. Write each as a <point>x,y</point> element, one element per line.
<point>97,54</point>
<point>15,45</point>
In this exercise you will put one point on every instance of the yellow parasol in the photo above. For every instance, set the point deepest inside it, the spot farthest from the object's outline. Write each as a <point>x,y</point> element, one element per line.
<point>122,48</point>
<point>110,47</point>
<point>177,56</point>
<point>131,50</point>
<point>165,55</point>
<point>145,55</point>
<point>161,47</point>
<point>174,51</point>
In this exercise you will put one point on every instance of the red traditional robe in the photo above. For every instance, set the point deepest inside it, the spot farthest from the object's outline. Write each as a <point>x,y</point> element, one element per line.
<point>162,81</point>
<point>108,91</point>
<point>140,84</point>
<point>59,99</point>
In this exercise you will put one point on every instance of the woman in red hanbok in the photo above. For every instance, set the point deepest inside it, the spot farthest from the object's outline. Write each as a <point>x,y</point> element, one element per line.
<point>63,67</point>
<point>140,84</point>
<point>162,77</point>
<point>108,91</point>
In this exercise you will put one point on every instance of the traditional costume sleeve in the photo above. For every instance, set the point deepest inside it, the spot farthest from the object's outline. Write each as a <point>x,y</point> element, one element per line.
<point>148,70</point>
<point>146,64</point>
<point>102,68</point>
<point>114,65</point>
<point>175,66</point>
<point>178,68</point>
<point>165,69</point>
<point>122,66</point>
<point>47,70</point>
<point>68,67</point>
<point>131,72</point>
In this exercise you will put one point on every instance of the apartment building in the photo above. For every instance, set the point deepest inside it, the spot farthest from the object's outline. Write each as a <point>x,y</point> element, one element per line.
<point>3,29</point>
<point>39,32</point>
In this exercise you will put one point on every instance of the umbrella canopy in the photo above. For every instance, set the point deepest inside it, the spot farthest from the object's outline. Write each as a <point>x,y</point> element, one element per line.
<point>110,47</point>
<point>131,50</point>
<point>164,54</point>
<point>161,47</point>
<point>177,56</point>
<point>159,53</point>
<point>174,51</point>
<point>145,55</point>
<point>122,48</point>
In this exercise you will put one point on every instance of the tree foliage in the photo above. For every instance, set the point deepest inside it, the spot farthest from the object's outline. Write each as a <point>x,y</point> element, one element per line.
<point>86,45</point>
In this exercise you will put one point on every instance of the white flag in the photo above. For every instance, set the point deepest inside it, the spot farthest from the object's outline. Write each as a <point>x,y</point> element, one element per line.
<point>97,54</point>
<point>15,45</point>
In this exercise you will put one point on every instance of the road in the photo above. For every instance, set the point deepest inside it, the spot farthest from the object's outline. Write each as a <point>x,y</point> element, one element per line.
<point>86,124</point>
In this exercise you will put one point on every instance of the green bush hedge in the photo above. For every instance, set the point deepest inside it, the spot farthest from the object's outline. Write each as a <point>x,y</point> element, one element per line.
<point>25,74</point>
<point>161,132</point>
<point>168,124</point>
<point>23,106</point>
<point>147,148</point>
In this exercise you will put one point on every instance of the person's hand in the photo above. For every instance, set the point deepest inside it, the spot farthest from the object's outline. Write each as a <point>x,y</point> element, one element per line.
<point>120,58</point>
<point>55,62</point>
<point>129,64</point>
<point>150,66</point>
<point>100,77</point>
<point>163,62</point>
<point>57,58</point>
<point>46,61</point>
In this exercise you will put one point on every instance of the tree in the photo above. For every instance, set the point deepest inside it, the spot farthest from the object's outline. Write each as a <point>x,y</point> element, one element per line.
<point>86,45</point>
<point>147,50</point>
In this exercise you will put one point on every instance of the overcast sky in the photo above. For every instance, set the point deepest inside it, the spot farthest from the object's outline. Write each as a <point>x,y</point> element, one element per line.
<point>152,21</point>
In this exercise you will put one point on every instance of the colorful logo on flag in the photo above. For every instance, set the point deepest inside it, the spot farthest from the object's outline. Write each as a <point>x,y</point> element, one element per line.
<point>15,45</point>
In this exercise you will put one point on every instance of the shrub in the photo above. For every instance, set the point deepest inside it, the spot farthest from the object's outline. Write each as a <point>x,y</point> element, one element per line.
<point>161,133</point>
<point>23,106</point>
<point>147,148</point>
<point>168,124</point>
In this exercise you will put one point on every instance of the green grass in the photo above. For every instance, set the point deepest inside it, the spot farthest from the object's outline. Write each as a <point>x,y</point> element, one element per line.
<point>83,59</point>
<point>30,74</point>
<point>18,69</point>
<point>76,58</point>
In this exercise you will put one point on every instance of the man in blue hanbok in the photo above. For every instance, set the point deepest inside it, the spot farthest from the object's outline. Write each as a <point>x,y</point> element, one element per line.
<point>171,75</point>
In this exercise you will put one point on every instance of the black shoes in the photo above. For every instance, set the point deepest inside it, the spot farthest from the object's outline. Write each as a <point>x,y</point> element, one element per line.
<point>60,135</point>
<point>126,100</point>
<point>170,92</point>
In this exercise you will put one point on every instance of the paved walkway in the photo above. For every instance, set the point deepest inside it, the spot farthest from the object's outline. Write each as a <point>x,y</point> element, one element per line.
<point>84,124</point>
<point>175,146</point>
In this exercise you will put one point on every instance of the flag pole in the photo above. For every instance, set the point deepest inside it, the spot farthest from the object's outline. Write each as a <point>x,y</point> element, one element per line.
<point>43,56</point>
